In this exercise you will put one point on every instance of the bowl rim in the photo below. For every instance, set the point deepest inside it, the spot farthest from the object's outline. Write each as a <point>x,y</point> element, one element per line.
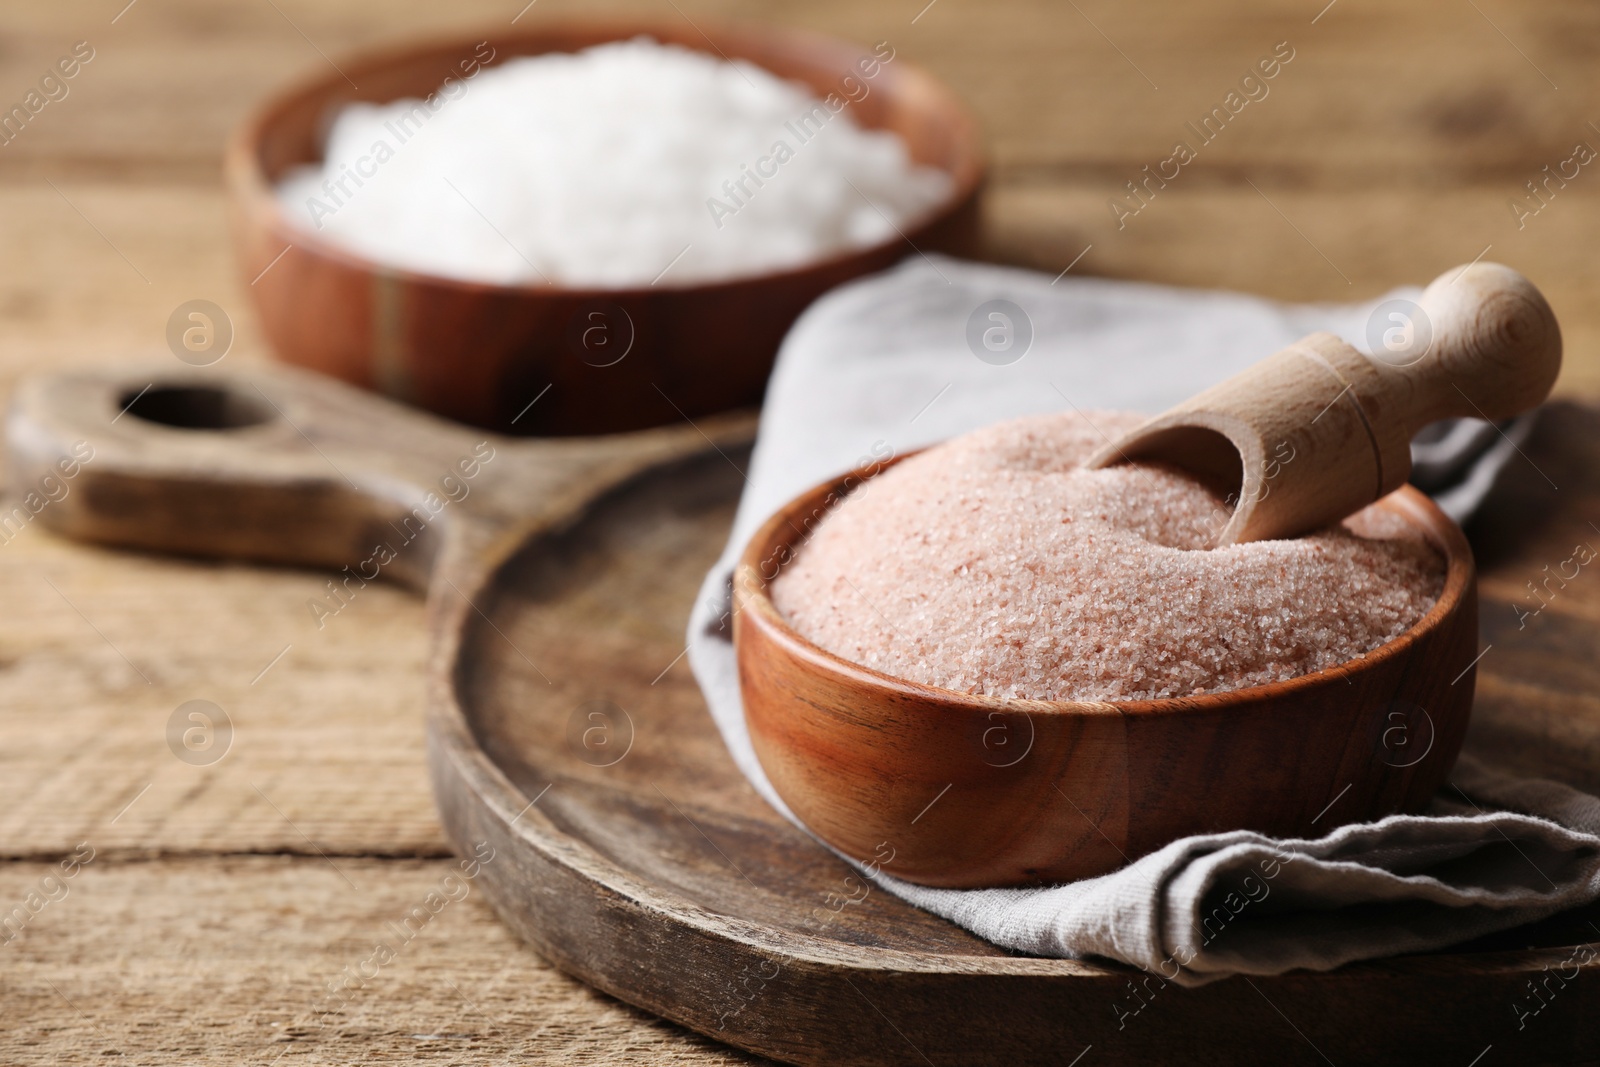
<point>1442,532</point>
<point>247,180</point>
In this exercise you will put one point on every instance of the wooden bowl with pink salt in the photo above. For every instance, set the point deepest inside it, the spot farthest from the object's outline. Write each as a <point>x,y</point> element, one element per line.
<point>1003,669</point>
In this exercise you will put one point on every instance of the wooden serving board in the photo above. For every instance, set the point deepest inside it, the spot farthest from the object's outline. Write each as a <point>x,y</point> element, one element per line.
<point>567,735</point>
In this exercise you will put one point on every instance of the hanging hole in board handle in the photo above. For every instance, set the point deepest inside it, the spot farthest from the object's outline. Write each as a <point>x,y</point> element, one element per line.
<point>196,407</point>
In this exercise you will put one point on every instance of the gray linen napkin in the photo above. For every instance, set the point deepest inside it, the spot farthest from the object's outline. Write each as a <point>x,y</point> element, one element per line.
<point>901,359</point>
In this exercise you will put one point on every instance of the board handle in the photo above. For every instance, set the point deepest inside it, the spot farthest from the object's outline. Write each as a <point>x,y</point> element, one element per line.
<point>276,465</point>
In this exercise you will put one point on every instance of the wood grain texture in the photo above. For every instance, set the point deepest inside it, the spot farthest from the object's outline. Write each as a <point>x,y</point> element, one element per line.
<point>270,959</point>
<point>1389,148</point>
<point>1426,96</point>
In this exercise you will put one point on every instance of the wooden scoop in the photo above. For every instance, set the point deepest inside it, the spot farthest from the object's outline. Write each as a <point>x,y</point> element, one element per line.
<point>1319,430</point>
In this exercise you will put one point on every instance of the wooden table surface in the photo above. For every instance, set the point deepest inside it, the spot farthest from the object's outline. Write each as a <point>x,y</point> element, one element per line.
<point>223,900</point>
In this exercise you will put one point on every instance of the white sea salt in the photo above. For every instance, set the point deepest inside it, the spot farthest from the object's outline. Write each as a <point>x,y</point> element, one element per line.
<point>627,164</point>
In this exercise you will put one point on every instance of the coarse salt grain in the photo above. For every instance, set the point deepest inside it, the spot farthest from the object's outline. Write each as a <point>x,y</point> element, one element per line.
<point>622,165</point>
<point>993,564</point>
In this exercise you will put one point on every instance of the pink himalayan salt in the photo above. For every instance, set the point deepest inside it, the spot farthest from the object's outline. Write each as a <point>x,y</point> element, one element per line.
<point>993,564</point>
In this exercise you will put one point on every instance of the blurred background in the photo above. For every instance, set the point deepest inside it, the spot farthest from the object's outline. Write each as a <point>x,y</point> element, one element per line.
<point>1400,140</point>
<point>1389,148</point>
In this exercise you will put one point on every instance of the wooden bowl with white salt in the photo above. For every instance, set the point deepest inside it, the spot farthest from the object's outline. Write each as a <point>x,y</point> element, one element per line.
<point>613,357</point>
<point>968,790</point>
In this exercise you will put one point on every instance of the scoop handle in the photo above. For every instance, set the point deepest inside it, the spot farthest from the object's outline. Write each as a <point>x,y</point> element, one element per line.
<point>1483,343</point>
<point>1320,430</point>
